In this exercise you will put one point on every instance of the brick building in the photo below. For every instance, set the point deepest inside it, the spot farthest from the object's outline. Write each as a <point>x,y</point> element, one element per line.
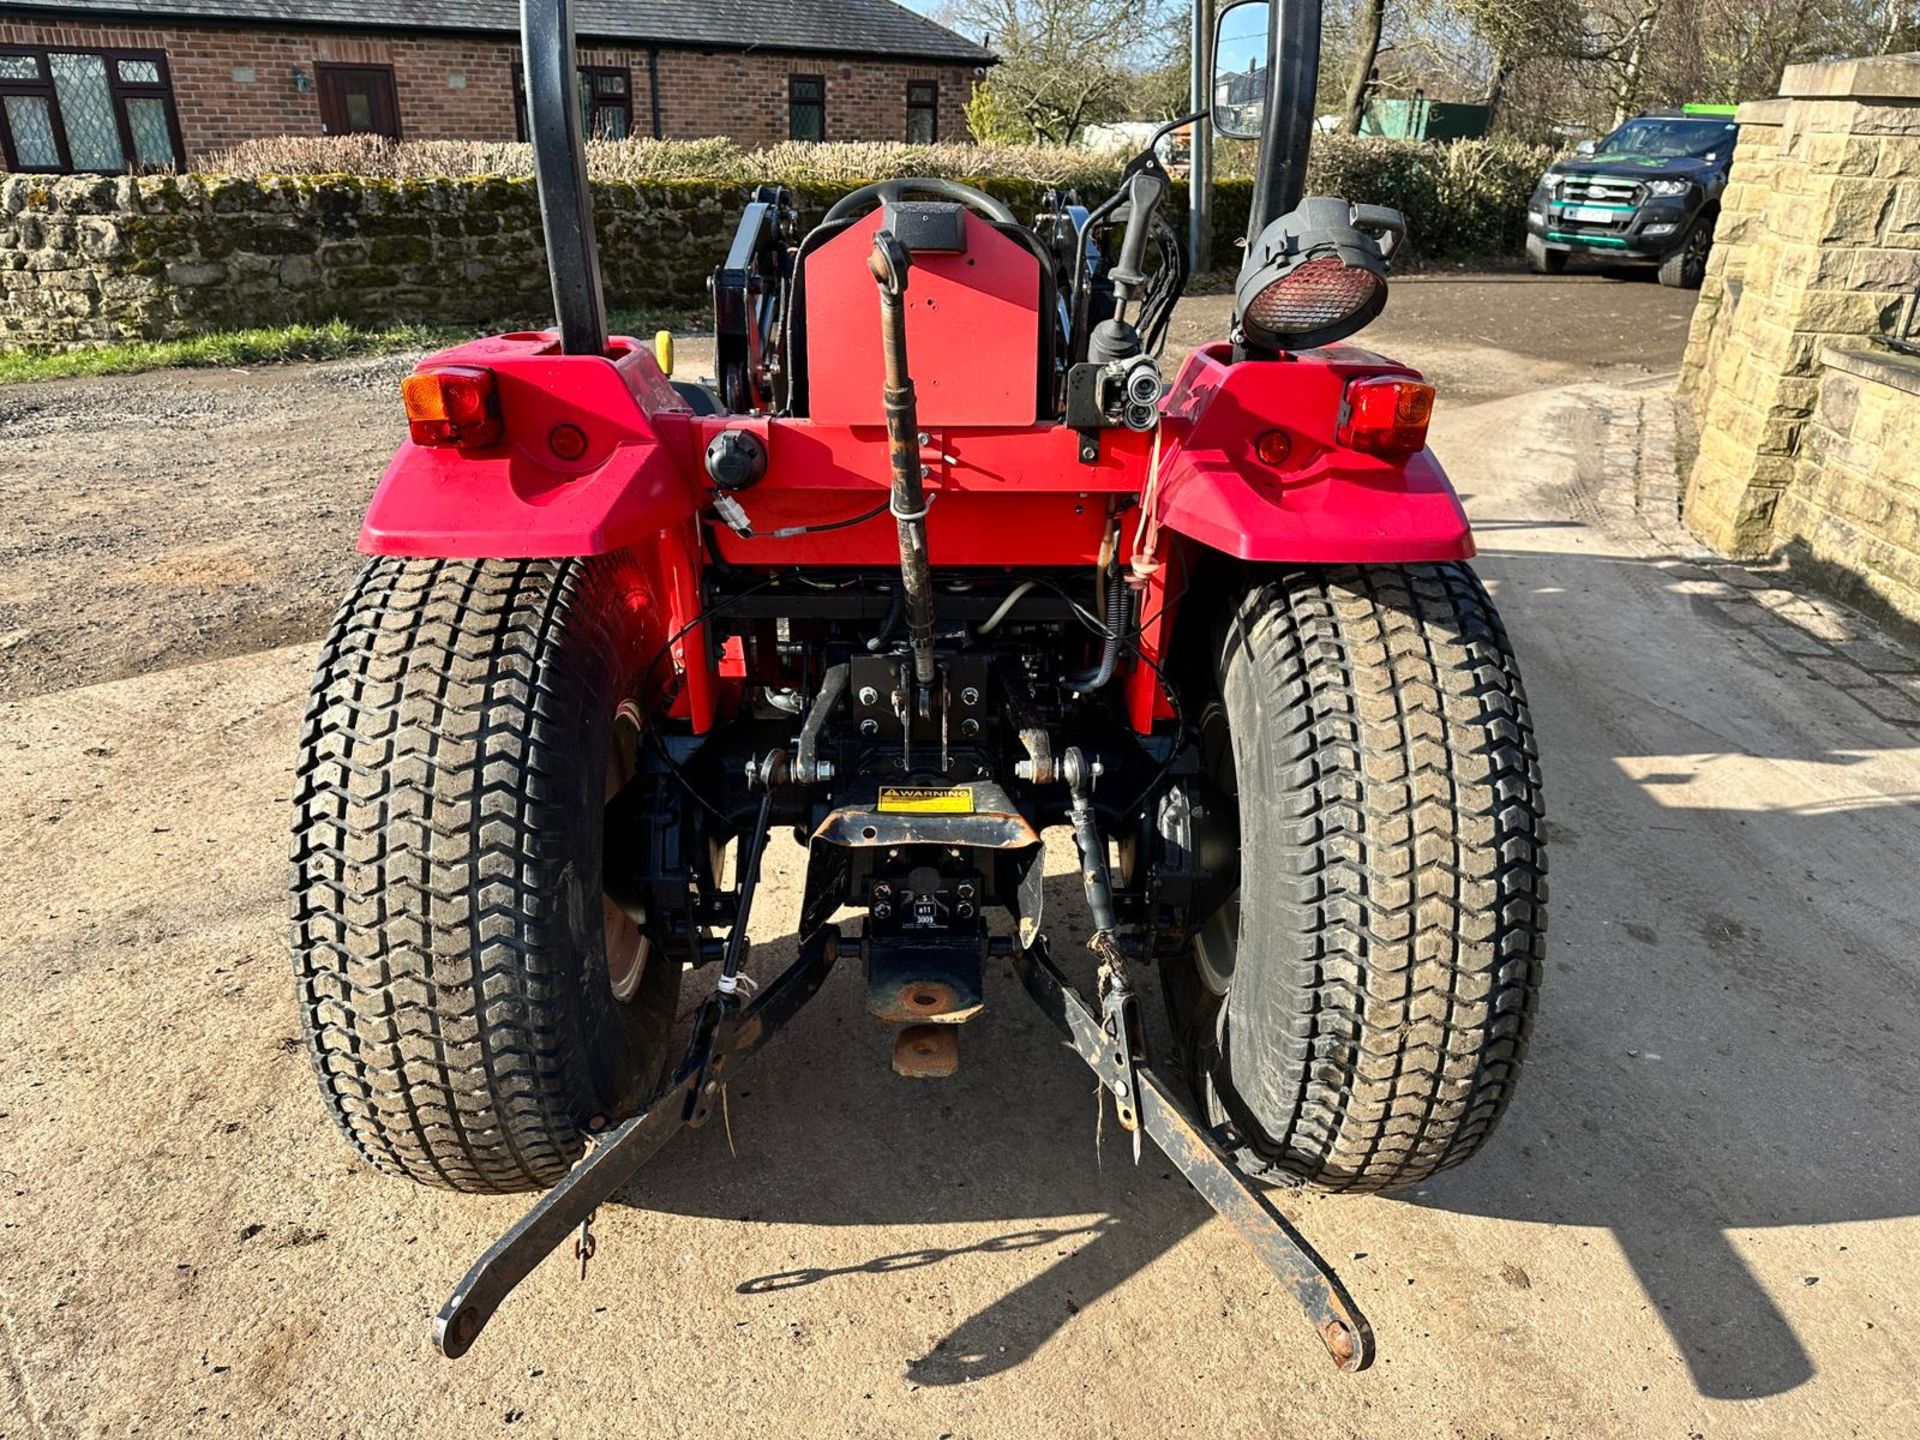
<point>107,85</point>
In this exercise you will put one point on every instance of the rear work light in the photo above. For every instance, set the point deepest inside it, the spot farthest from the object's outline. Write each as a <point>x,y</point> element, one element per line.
<point>1313,299</point>
<point>454,406</point>
<point>1387,415</point>
<point>1315,275</point>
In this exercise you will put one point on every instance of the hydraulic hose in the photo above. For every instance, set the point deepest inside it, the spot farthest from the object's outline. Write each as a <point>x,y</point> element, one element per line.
<point>992,622</point>
<point>1119,604</point>
<point>895,609</point>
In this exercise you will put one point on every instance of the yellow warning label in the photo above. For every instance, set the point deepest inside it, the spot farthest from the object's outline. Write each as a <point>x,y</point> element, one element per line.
<point>926,800</point>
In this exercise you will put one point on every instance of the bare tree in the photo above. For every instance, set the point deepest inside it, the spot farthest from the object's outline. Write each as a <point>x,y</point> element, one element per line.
<point>1064,64</point>
<point>1626,57</point>
<point>1372,23</point>
<point>1517,32</point>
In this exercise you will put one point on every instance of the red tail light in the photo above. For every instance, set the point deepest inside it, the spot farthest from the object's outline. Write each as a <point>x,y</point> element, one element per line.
<point>454,406</point>
<point>1387,415</point>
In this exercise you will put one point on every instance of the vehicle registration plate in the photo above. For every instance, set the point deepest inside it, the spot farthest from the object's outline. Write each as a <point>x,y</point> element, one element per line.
<point>1590,214</point>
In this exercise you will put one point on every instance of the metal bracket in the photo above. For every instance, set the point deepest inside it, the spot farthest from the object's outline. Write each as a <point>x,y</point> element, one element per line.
<point>724,1032</point>
<point>1206,1163</point>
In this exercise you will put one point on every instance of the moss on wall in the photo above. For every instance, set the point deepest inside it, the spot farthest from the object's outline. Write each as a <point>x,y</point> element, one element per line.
<point>86,259</point>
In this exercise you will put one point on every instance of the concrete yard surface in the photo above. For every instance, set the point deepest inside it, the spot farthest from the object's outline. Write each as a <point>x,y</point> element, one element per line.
<point>1700,1218</point>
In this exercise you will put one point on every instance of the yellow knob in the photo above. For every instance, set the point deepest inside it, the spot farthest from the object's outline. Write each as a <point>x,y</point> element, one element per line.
<point>663,350</point>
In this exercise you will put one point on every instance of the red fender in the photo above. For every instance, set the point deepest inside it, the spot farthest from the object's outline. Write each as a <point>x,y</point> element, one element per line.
<point>517,498</point>
<point>1323,504</point>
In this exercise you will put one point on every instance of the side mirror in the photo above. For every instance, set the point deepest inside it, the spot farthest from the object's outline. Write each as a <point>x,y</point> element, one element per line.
<point>1586,147</point>
<point>1241,49</point>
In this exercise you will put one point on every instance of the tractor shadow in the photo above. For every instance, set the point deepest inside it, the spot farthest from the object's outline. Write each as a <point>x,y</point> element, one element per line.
<point>1723,1044</point>
<point>826,1134</point>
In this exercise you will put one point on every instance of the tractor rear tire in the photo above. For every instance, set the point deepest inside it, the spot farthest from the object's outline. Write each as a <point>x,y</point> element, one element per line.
<point>1366,996</point>
<point>473,1001</point>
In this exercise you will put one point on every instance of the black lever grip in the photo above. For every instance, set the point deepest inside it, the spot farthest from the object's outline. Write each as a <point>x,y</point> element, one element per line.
<point>1144,192</point>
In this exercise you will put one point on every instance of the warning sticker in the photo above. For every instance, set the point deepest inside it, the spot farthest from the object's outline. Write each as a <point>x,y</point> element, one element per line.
<point>926,800</point>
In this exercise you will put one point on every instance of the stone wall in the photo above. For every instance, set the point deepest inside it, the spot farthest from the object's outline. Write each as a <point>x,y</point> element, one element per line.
<point>160,257</point>
<point>1801,455</point>
<point>86,259</point>
<point>1851,517</point>
<point>235,83</point>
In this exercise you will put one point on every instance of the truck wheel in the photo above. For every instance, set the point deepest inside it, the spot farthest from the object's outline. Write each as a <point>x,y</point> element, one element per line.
<point>1541,260</point>
<point>1359,1009</point>
<point>472,998</point>
<point>1686,267</point>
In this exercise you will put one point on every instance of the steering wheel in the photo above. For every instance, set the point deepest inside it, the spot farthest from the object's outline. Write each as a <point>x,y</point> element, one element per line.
<point>888,190</point>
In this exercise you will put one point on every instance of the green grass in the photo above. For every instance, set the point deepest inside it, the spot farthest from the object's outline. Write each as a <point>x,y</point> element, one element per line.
<point>335,340</point>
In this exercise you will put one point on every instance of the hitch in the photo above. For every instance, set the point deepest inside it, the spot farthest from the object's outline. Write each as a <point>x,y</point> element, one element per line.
<point>724,1032</point>
<point>726,1028</point>
<point>1199,1155</point>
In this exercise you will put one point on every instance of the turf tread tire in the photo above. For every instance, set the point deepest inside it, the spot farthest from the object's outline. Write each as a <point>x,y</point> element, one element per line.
<point>448,955</point>
<point>1393,877</point>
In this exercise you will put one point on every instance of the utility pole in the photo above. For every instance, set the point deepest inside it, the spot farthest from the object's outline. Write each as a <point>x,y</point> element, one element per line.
<point>1200,150</point>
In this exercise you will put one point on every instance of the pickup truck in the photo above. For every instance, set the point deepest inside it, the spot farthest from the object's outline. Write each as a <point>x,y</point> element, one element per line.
<point>1648,194</point>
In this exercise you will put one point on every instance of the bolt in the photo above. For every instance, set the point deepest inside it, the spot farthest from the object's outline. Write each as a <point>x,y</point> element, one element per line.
<point>969,727</point>
<point>964,890</point>
<point>882,890</point>
<point>969,696</point>
<point>924,438</point>
<point>963,910</point>
<point>869,695</point>
<point>823,770</point>
<point>869,727</point>
<point>882,911</point>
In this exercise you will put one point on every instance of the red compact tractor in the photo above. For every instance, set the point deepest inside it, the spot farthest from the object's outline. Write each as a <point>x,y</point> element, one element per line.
<point>939,559</point>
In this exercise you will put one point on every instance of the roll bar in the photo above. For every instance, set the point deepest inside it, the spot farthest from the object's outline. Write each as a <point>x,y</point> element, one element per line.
<point>566,202</point>
<point>1293,73</point>
<point>560,170</point>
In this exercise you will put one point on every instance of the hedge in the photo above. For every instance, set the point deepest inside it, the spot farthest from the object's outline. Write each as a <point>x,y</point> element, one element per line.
<point>1464,199</point>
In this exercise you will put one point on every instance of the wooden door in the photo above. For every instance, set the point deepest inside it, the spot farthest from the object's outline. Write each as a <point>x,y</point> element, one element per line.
<point>358,100</point>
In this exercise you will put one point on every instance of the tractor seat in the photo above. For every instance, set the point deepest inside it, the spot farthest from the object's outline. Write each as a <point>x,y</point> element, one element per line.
<point>979,299</point>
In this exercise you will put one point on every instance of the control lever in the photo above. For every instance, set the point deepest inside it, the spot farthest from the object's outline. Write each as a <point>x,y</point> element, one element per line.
<point>1117,339</point>
<point>888,265</point>
<point>1144,193</point>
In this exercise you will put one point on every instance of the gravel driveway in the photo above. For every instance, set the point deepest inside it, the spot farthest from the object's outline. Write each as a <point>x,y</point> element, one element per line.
<point>1701,1217</point>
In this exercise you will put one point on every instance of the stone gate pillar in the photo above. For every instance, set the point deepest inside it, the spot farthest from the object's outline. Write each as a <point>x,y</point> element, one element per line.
<point>1818,247</point>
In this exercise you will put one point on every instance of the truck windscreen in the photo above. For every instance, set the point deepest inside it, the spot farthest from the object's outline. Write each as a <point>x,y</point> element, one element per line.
<point>1667,139</point>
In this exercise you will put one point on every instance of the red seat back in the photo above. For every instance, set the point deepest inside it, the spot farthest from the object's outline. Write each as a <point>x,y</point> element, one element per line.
<point>973,330</point>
